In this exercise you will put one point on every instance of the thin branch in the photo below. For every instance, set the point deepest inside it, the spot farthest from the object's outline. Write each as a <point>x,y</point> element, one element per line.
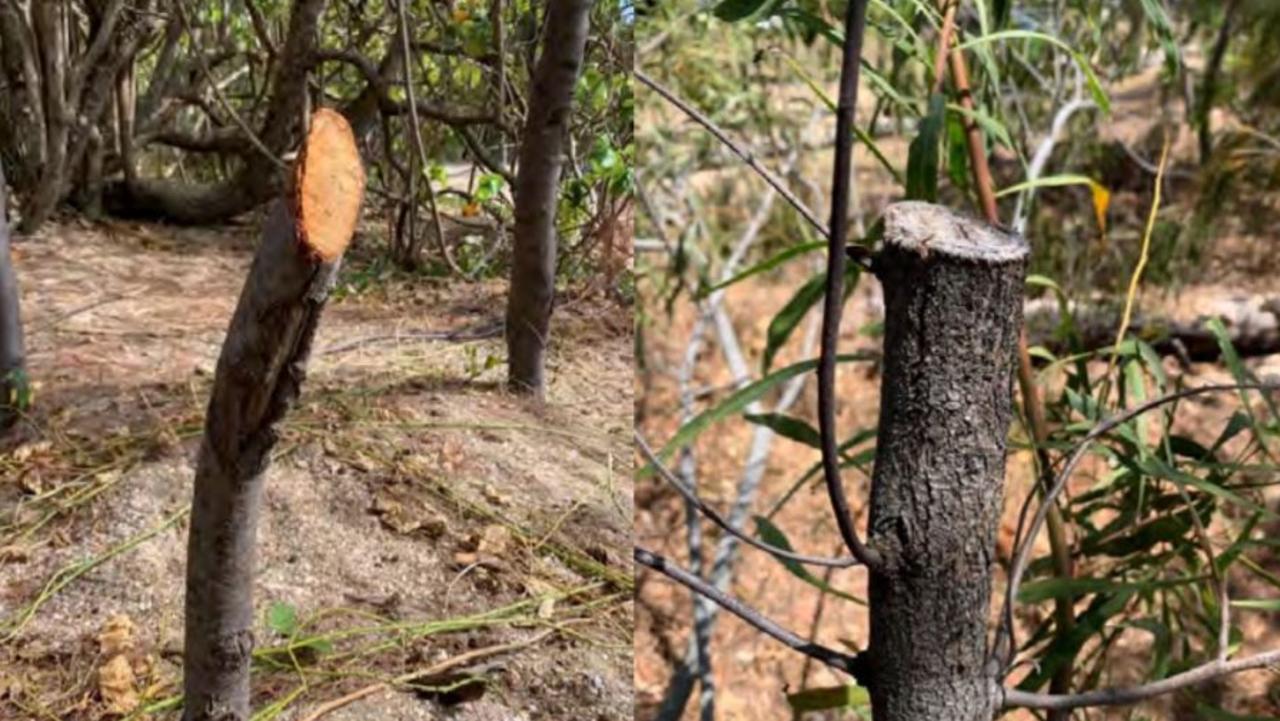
<point>836,660</point>
<point>257,142</point>
<point>424,163</point>
<point>1123,695</point>
<point>833,302</point>
<point>449,116</point>
<point>1005,634</point>
<point>738,150</point>
<point>719,520</point>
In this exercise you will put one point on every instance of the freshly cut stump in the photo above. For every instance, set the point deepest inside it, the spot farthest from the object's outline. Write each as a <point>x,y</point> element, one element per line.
<point>259,374</point>
<point>953,291</point>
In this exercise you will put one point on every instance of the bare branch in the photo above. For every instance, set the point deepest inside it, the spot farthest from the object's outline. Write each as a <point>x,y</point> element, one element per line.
<point>427,109</point>
<point>833,302</point>
<point>836,660</point>
<point>738,150</point>
<point>719,520</point>
<point>1123,695</point>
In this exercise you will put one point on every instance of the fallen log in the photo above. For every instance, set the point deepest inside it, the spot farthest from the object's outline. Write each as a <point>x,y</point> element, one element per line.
<point>259,375</point>
<point>1252,324</point>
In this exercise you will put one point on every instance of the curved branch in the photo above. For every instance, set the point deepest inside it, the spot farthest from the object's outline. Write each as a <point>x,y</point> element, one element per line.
<point>1123,695</point>
<point>738,150</point>
<point>833,302</point>
<point>851,665</point>
<point>449,116</point>
<point>709,512</point>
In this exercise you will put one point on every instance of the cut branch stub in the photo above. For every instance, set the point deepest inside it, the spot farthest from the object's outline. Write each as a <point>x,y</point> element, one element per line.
<point>953,306</point>
<point>328,185</point>
<point>260,373</point>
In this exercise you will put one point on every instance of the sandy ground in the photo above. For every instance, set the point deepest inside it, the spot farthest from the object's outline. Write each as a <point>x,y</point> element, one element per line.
<point>410,494</point>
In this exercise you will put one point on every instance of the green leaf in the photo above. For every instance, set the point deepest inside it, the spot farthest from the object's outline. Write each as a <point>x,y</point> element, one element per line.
<point>832,697</point>
<point>787,427</point>
<point>282,618</point>
<point>1050,588</point>
<point>1065,646</point>
<point>765,265</point>
<point>735,10</point>
<point>739,400</point>
<point>1091,79</point>
<point>922,156</point>
<point>782,325</point>
<point>774,536</point>
<point>1260,604</point>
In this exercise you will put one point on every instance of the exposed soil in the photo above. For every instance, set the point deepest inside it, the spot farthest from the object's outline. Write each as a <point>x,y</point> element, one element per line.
<point>414,510</point>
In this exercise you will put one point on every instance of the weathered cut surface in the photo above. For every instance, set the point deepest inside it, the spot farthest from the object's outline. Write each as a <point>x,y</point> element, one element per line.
<point>953,308</point>
<point>260,372</point>
<point>13,378</point>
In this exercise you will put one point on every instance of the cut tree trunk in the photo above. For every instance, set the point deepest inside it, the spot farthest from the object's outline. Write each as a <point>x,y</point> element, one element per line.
<point>533,265</point>
<point>259,374</point>
<point>13,371</point>
<point>953,308</point>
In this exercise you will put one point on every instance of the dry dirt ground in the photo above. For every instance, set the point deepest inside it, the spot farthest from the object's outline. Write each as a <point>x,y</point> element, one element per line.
<point>753,673</point>
<point>414,510</point>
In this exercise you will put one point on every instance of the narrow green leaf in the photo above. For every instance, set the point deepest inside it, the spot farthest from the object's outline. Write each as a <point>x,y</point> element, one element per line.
<point>766,265</point>
<point>734,10</point>
<point>787,427</point>
<point>922,156</point>
<point>774,536</point>
<point>739,400</point>
<point>782,325</point>
<point>823,699</point>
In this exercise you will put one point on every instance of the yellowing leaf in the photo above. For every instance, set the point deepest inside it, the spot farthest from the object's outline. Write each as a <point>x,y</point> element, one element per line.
<point>116,636</point>
<point>470,210</point>
<point>116,683</point>
<point>461,15</point>
<point>1101,201</point>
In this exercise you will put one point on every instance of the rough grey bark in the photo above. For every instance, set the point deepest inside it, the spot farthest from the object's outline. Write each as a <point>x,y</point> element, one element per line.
<point>260,371</point>
<point>953,308</point>
<point>12,353</point>
<point>533,265</point>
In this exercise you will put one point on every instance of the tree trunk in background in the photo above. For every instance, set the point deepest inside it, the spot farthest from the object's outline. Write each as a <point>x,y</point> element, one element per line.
<point>259,374</point>
<point>533,264</point>
<point>13,372</point>
<point>953,308</point>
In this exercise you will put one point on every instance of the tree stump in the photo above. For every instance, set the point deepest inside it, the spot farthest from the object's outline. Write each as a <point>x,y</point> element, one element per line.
<point>259,374</point>
<point>953,290</point>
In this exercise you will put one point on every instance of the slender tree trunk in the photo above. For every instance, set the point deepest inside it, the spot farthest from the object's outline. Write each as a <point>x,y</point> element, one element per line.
<point>259,374</point>
<point>13,371</point>
<point>533,265</point>
<point>953,308</point>
<point>51,37</point>
<point>1210,89</point>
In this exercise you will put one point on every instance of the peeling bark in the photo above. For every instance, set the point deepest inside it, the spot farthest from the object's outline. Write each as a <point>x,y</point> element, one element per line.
<point>953,308</point>
<point>533,265</point>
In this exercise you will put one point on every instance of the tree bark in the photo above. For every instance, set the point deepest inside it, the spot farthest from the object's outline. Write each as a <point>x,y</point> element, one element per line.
<point>13,371</point>
<point>533,263</point>
<point>259,374</point>
<point>953,308</point>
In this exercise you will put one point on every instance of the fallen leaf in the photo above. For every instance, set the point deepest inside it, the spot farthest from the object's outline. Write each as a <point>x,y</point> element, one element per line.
<point>116,636</point>
<point>116,683</point>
